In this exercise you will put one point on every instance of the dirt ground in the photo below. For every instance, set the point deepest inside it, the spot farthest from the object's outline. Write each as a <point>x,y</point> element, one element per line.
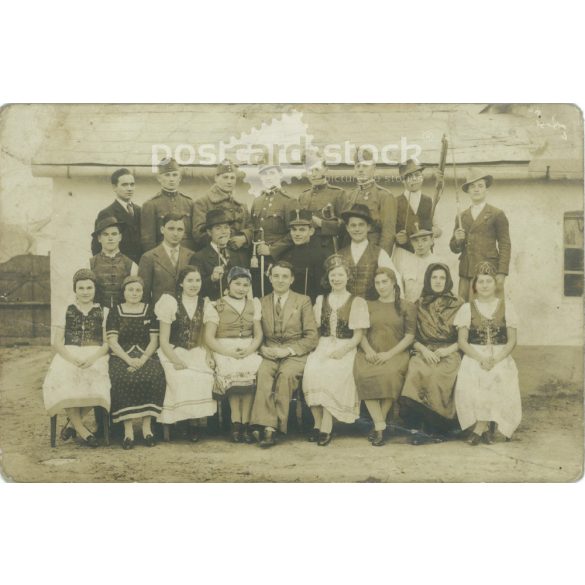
<point>548,445</point>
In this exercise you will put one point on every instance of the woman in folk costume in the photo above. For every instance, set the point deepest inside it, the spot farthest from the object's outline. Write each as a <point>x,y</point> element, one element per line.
<point>78,375</point>
<point>487,393</point>
<point>381,364</point>
<point>186,362</point>
<point>138,380</point>
<point>427,403</point>
<point>233,331</point>
<point>328,382</point>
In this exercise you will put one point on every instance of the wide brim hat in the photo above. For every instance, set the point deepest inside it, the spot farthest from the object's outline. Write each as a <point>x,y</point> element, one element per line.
<point>358,210</point>
<point>474,175</point>
<point>217,216</point>
<point>409,167</point>
<point>104,224</point>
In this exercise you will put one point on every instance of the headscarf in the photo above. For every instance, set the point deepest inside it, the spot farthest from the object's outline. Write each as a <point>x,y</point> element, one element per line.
<point>436,310</point>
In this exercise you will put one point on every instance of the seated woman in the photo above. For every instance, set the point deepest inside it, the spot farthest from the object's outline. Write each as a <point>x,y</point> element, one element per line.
<point>427,403</point>
<point>487,393</point>
<point>186,362</point>
<point>233,332</point>
<point>138,380</point>
<point>328,382</point>
<point>380,366</point>
<point>78,375</point>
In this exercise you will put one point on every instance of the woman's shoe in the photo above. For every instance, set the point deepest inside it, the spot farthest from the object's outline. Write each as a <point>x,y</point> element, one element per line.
<point>127,443</point>
<point>67,433</point>
<point>474,440</point>
<point>378,439</point>
<point>91,441</point>
<point>246,435</point>
<point>324,439</point>
<point>194,435</point>
<point>488,438</point>
<point>235,433</point>
<point>149,440</point>
<point>314,436</point>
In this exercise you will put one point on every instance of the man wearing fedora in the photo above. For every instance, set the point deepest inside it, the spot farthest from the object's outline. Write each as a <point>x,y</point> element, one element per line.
<point>483,235</point>
<point>380,201</point>
<point>109,265</point>
<point>363,256</point>
<point>160,267</point>
<point>414,209</point>
<point>215,260</point>
<point>305,257</point>
<point>168,200</point>
<point>290,334</point>
<point>221,196</point>
<point>125,212</point>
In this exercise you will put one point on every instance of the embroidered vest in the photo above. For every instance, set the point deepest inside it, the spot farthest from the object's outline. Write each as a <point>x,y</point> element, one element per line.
<point>186,332</point>
<point>483,330</point>
<point>83,329</point>
<point>234,324</point>
<point>342,331</point>
<point>110,272</point>
<point>362,282</point>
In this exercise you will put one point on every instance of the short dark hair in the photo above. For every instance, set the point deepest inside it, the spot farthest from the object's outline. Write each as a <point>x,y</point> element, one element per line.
<point>120,173</point>
<point>283,264</point>
<point>172,217</point>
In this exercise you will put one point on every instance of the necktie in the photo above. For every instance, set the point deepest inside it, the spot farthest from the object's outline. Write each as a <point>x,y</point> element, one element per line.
<point>174,256</point>
<point>278,307</point>
<point>130,208</point>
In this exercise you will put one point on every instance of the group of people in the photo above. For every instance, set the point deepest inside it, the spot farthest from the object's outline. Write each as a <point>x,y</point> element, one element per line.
<point>336,296</point>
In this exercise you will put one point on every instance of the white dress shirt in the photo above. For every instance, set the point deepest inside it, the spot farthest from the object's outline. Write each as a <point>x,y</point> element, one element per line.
<point>476,210</point>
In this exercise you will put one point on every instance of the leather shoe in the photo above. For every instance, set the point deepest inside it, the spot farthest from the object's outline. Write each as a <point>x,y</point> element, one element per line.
<point>194,435</point>
<point>67,433</point>
<point>474,440</point>
<point>149,441</point>
<point>91,441</point>
<point>268,440</point>
<point>314,436</point>
<point>324,439</point>
<point>378,439</point>
<point>127,443</point>
<point>371,435</point>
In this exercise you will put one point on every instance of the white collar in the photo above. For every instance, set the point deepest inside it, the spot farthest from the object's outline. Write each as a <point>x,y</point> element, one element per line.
<point>478,206</point>
<point>111,254</point>
<point>123,203</point>
<point>359,246</point>
<point>169,248</point>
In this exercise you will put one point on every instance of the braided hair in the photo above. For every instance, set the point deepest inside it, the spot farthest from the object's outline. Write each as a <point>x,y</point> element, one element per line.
<point>392,276</point>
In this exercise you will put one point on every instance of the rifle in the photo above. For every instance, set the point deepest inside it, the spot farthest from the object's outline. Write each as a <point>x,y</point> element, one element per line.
<point>440,179</point>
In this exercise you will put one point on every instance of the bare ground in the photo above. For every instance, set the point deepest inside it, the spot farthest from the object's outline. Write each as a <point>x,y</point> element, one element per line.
<point>548,446</point>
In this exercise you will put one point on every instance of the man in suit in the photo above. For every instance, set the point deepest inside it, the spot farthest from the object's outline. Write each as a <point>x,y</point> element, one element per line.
<point>215,260</point>
<point>126,212</point>
<point>160,267</point>
<point>483,235</point>
<point>380,201</point>
<point>221,196</point>
<point>168,200</point>
<point>290,333</point>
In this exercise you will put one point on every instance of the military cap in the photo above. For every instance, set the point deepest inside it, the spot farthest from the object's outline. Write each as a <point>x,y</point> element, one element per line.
<point>364,154</point>
<point>420,233</point>
<point>226,166</point>
<point>167,165</point>
<point>217,216</point>
<point>300,217</point>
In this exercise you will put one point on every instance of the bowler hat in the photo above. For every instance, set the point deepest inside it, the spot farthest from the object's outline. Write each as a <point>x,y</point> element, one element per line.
<point>474,175</point>
<point>104,224</point>
<point>217,216</point>
<point>300,217</point>
<point>167,165</point>
<point>358,210</point>
<point>409,167</point>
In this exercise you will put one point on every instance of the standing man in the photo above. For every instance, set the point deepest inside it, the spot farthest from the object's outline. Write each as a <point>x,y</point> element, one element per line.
<point>413,209</point>
<point>221,196</point>
<point>126,213</point>
<point>160,267</point>
<point>168,200</point>
<point>215,260</point>
<point>380,201</point>
<point>325,202</point>
<point>304,256</point>
<point>483,236</point>
<point>290,333</point>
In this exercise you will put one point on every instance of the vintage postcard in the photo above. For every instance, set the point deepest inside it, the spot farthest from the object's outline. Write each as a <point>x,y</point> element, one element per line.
<point>291,293</point>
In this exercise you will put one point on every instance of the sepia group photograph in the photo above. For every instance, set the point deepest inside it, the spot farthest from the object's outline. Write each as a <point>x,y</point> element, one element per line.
<point>348,293</point>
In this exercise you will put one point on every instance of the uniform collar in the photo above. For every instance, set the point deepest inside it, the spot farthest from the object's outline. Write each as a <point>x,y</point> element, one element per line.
<point>366,185</point>
<point>320,186</point>
<point>169,193</point>
<point>218,195</point>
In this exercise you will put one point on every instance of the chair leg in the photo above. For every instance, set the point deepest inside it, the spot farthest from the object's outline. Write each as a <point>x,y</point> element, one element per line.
<point>106,423</point>
<point>219,415</point>
<point>54,431</point>
<point>167,433</point>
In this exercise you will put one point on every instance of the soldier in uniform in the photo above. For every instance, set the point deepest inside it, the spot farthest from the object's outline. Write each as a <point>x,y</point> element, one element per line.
<point>380,201</point>
<point>221,196</point>
<point>325,202</point>
<point>270,212</point>
<point>414,209</point>
<point>168,200</point>
<point>304,256</point>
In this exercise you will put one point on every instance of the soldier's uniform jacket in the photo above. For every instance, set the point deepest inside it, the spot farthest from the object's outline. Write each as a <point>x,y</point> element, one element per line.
<point>156,208</point>
<point>215,198</point>
<point>270,211</point>
<point>382,205</point>
<point>407,219</point>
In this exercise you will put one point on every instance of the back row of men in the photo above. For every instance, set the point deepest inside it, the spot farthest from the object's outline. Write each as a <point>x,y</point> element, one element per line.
<point>368,225</point>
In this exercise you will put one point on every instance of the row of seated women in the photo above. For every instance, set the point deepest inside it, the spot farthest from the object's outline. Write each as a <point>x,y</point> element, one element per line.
<point>382,352</point>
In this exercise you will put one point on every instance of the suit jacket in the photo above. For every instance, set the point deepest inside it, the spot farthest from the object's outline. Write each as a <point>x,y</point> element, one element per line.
<point>487,239</point>
<point>298,324</point>
<point>207,259</point>
<point>406,218</point>
<point>158,272</point>
<point>130,244</point>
